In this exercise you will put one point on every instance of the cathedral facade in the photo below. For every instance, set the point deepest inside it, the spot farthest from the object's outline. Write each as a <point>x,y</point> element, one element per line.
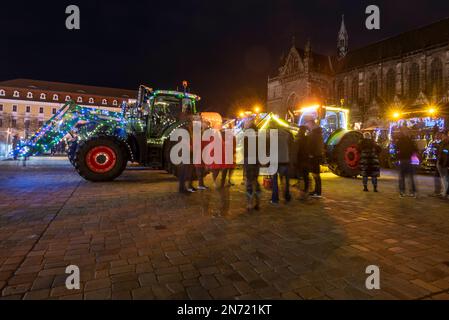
<point>409,71</point>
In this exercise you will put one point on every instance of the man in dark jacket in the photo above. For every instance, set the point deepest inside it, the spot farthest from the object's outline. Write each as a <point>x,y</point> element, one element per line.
<point>185,170</point>
<point>316,152</point>
<point>303,168</point>
<point>285,144</point>
<point>369,161</point>
<point>443,164</point>
<point>406,148</point>
<point>251,166</point>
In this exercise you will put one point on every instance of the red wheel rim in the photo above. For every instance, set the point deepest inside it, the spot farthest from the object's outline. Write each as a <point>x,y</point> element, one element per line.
<point>101,159</point>
<point>352,156</point>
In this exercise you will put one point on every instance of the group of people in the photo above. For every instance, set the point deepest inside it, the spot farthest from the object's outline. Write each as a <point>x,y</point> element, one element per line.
<point>301,156</point>
<point>197,170</point>
<point>408,159</point>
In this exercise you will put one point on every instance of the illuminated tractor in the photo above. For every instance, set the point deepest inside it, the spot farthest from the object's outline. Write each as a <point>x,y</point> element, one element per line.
<point>102,142</point>
<point>342,152</point>
<point>423,125</point>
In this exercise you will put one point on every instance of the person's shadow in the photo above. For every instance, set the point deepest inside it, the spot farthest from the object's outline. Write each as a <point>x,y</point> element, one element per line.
<point>216,203</point>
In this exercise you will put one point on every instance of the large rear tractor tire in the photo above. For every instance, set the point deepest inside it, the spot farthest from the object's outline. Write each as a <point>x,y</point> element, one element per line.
<point>100,159</point>
<point>346,156</point>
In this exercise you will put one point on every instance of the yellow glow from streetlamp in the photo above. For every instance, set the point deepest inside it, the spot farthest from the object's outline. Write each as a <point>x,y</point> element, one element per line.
<point>396,115</point>
<point>257,108</point>
<point>432,111</point>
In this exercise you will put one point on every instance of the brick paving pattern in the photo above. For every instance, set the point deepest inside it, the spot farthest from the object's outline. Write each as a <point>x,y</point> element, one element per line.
<point>136,238</point>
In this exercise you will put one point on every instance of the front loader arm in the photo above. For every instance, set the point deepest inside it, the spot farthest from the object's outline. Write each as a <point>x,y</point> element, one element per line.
<point>62,124</point>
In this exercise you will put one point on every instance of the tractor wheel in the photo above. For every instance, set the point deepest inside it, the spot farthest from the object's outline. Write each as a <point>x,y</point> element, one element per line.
<point>100,159</point>
<point>346,156</point>
<point>72,151</point>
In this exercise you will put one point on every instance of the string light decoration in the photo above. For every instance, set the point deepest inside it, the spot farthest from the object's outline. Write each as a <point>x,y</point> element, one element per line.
<point>83,123</point>
<point>65,121</point>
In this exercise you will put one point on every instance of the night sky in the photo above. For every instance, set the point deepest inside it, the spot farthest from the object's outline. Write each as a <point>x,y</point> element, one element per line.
<point>225,49</point>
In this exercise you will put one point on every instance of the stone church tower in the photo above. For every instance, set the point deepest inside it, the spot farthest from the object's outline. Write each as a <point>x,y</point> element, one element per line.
<point>342,42</point>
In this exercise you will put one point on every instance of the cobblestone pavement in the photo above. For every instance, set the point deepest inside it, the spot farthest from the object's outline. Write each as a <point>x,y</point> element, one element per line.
<point>136,238</point>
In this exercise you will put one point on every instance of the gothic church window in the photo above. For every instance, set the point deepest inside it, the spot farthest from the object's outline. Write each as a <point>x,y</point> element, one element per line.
<point>372,93</point>
<point>293,65</point>
<point>355,90</point>
<point>390,85</point>
<point>292,102</point>
<point>340,90</point>
<point>414,81</point>
<point>436,77</point>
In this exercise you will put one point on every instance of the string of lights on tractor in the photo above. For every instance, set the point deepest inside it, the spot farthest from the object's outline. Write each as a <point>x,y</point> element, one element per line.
<point>423,125</point>
<point>102,142</point>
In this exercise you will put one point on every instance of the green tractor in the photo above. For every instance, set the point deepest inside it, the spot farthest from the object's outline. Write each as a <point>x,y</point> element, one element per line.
<point>102,142</point>
<point>342,152</point>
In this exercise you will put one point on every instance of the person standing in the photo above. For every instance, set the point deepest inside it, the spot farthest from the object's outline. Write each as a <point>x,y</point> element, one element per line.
<point>199,167</point>
<point>316,152</point>
<point>406,149</point>
<point>436,143</point>
<point>443,164</point>
<point>251,166</point>
<point>285,142</point>
<point>302,162</point>
<point>15,144</point>
<point>369,161</point>
<point>185,171</point>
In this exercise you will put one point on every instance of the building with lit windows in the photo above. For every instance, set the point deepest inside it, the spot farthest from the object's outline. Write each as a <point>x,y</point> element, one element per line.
<point>26,104</point>
<point>406,72</point>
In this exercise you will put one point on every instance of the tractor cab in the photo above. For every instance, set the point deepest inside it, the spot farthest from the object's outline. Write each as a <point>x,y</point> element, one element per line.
<point>167,108</point>
<point>329,118</point>
<point>152,119</point>
<point>156,111</point>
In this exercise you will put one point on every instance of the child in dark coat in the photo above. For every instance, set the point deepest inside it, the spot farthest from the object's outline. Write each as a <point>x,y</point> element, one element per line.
<point>369,162</point>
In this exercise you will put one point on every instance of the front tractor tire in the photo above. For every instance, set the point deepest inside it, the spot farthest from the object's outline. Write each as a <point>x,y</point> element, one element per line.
<point>100,159</point>
<point>345,158</point>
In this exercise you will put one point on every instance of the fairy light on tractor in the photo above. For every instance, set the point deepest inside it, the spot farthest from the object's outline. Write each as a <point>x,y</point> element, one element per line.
<point>423,124</point>
<point>102,142</point>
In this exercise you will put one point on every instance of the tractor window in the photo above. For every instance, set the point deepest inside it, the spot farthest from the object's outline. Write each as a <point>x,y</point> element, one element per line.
<point>331,121</point>
<point>188,106</point>
<point>165,112</point>
<point>303,118</point>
